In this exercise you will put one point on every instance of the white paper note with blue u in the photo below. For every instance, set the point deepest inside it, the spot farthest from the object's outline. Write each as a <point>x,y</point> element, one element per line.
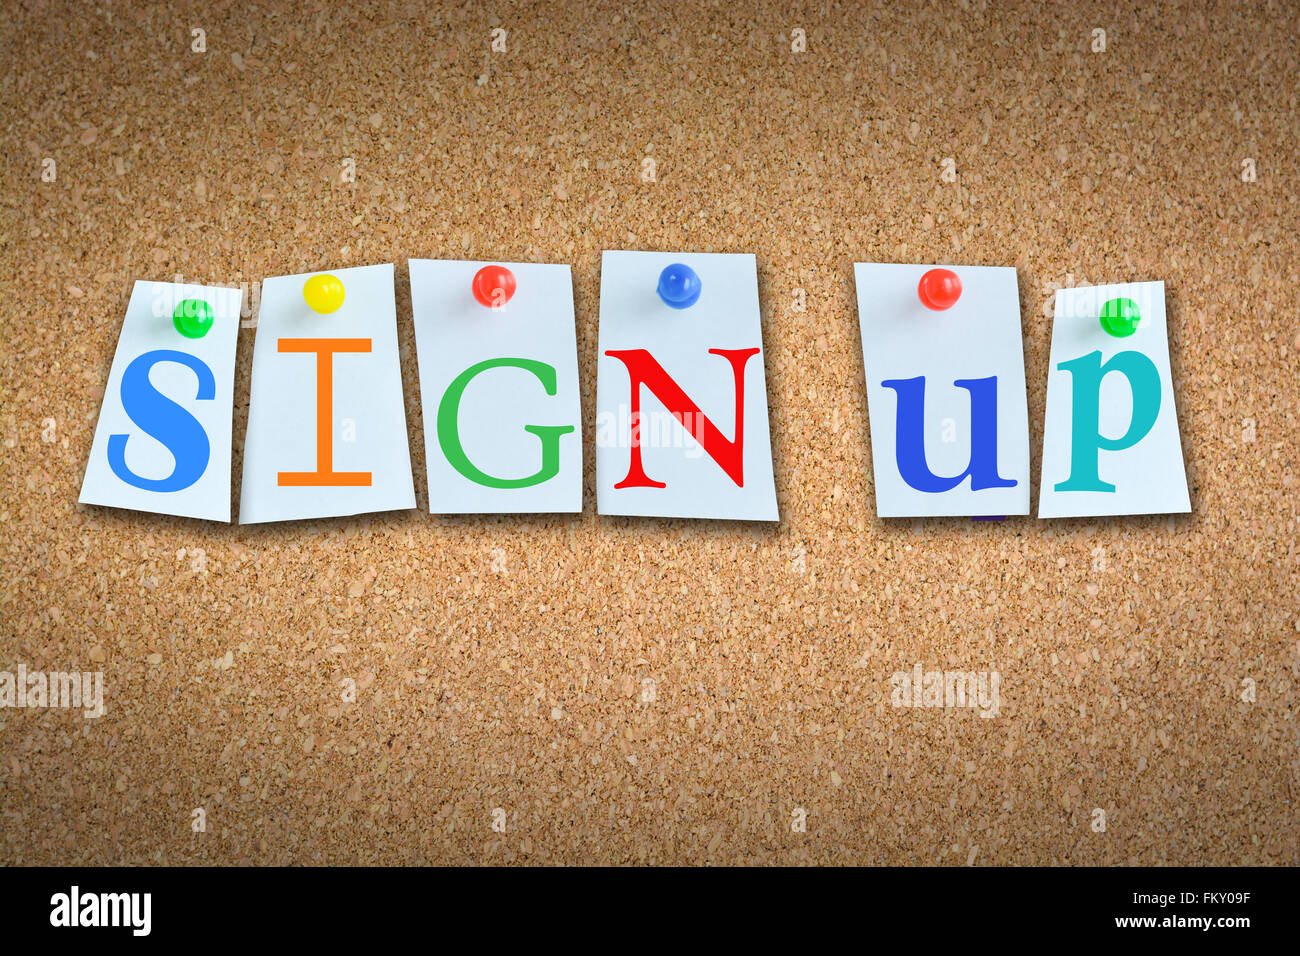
<point>945,375</point>
<point>162,442</point>
<point>498,358</point>
<point>326,417</point>
<point>1110,431</point>
<point>681,395</point>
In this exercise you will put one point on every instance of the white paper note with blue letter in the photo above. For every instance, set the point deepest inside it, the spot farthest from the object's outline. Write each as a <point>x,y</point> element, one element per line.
<point>499,386</point>
<point>162,443</point>
<point>945,389</point>
<point>1110,431</point>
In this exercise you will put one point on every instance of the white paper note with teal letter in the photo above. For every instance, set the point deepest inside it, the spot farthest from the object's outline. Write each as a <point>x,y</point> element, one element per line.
<point>162,443</point>
<point>681,396</point>
<point>326,417</point>
<point>1110,432</point>
<point>945,393</point>
<point>499,388</point>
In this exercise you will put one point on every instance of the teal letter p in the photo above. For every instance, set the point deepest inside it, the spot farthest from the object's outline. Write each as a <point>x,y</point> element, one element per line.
<point>1086,439</point>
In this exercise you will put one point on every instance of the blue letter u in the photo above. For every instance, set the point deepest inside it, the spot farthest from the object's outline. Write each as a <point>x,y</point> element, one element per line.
<point>909,443</point>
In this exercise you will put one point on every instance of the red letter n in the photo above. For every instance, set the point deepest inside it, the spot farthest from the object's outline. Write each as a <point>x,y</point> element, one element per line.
<point>642,369</point>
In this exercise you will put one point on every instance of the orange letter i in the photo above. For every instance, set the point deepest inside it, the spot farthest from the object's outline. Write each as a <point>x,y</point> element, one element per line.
<point>324,473</point>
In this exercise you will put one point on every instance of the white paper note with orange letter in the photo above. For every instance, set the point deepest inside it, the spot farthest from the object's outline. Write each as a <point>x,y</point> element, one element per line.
<point>326,419</point>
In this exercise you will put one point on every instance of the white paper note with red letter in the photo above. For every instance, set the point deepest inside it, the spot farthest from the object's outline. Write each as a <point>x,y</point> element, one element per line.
<point>499,387</point>
<point>326,418</point>
<point>681,394</point>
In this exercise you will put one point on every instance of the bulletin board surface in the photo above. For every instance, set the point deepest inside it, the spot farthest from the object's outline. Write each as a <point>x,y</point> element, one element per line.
<point>588,689</point>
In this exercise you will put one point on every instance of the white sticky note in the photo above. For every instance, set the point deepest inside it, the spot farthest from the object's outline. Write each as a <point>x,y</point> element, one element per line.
<point>499,388</point>
<point>318,448</point>
<point>162,443</point>
<point>1110,430</point>
<point>953,437</point>
<point>687,440</point>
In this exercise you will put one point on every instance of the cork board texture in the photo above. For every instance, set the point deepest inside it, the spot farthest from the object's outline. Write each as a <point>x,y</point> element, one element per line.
<point>597,690</point>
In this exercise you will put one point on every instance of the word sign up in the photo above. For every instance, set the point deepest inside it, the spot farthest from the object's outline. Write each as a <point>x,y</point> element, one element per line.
<point>681,395</point>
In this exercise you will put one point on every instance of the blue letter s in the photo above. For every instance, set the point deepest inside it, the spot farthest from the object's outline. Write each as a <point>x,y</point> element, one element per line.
<point>166,421</point>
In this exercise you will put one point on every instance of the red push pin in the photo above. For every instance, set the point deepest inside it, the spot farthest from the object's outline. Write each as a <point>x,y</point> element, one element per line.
<point>493,286</point>
<point>939,289</point>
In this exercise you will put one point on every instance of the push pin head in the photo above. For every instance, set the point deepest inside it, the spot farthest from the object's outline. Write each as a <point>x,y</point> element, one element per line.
<point>323,294</point>
<point>1120,317</point>
<point>493,286</point>
<point>193,318</point>
<point>679,286</point>
<point>939,289</point>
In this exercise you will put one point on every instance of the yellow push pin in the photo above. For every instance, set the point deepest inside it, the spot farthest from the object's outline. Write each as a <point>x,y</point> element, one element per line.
<point>323,294</point>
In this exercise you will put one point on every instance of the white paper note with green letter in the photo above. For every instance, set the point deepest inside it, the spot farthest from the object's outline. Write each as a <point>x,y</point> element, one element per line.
<point>499,389</point>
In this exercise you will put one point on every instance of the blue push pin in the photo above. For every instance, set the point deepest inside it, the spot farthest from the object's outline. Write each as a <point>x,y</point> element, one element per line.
<point>679,286</point>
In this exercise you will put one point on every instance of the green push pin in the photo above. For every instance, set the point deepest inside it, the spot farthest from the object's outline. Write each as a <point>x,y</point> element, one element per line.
<point>193,318</point>
<point>1120,317</point>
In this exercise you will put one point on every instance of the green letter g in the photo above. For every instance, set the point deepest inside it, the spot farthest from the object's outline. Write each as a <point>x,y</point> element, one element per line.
<point>449,434</point>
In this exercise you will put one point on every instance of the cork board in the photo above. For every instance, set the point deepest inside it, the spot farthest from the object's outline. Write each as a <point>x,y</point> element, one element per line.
<point>586,689</point>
